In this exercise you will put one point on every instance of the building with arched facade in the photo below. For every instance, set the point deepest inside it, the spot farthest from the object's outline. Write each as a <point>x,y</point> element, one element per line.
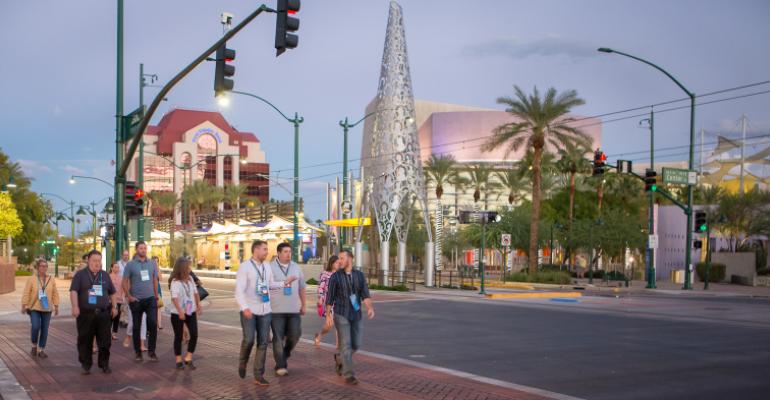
<point>189,145</point>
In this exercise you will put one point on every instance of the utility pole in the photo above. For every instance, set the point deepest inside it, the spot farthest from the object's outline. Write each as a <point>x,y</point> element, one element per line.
<point>651,209</point>
<point>742,187</point>
<point>120,179</point>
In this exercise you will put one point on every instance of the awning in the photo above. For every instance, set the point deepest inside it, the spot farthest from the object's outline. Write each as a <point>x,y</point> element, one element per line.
<point>350,222</point>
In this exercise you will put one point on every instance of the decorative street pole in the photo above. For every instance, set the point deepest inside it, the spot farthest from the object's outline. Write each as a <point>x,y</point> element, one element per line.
<point>691,165</point>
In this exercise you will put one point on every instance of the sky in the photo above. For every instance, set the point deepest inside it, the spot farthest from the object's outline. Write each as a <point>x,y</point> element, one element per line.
<point>59,69</point>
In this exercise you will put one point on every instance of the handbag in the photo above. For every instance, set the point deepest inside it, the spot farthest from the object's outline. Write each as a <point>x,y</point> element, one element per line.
<point>160,302</point>
<point>320,310</point>
<point>202,292</point>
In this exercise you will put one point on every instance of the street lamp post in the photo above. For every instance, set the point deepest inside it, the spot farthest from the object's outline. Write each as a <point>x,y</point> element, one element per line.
<point>345,128</point>
<point>691,165</point>
<point>651,211</point>
<point>296,121</point>
<point>71,218</point>
<point>9,240</point>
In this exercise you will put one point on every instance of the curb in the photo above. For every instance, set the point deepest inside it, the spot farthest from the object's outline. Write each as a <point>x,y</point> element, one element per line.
<point>537,295</point>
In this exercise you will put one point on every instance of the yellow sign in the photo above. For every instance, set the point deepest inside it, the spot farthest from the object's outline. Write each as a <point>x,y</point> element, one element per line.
<point>350,222</point>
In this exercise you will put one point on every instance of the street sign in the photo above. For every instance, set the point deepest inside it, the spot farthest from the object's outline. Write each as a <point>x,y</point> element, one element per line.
<point>652,242</point>
<point>679,176</point>
<point>505,239</point>
<point>131,123</point>
<point>347,207</point>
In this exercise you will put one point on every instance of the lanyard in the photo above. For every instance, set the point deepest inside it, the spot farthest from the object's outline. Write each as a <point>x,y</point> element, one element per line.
<point>262,274</point>
<point>93,280</point>
<point>39,284</point>
<point>186,287</point>
<point>285,272</point>
<point>351,285</point>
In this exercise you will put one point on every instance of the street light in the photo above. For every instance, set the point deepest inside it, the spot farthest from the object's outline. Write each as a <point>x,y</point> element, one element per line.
<point>11,183</point>
<point>691,164</point>
<point>296,121</point>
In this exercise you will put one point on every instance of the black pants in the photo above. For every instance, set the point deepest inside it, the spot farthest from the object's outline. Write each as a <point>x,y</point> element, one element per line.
<point>150,307</point>
<point>92,324</point>
<point>116,320</point>
<point>178,325</point>
<point>287,329</point>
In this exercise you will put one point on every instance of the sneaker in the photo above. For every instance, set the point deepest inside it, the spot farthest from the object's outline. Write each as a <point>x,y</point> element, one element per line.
<point>153,357</point>
<point>139,357</point>
<point>86,371</point>
<point>261,381</point>
<point>107,370</point>
<point>42,354</point>
<point>190,365</point>
<point>179,365</point>
<point>351,380</point>
<point>242,370</point>
<point>282,372</point>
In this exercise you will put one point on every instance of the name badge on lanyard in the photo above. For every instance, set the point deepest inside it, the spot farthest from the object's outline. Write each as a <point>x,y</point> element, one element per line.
<point>286,289</point>
<point>41,294</point>
<point>353,297</point>
<point>262,288</point>
<point>145,275</point>
<point>96,290</point>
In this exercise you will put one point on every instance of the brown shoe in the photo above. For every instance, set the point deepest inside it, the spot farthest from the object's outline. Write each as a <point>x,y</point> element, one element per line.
<point>33,352</point>
<point>41,354</point>
<point>261,381</point>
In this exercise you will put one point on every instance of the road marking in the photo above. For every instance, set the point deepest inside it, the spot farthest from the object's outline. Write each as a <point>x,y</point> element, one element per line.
<point>536,295</point>
<point>448,371</point>
<point>129,388</point>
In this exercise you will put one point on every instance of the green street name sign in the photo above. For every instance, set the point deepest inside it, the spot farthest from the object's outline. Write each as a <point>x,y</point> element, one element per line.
<point>679,176</point>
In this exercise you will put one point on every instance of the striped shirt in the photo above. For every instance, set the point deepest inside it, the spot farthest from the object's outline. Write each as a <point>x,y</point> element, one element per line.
<point>341,286</point>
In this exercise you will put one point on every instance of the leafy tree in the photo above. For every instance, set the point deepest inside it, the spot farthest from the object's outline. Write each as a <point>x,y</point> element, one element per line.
<point>30,207</point>
<point>539,121</point>
<point>166,202</point>
<point>10,224</point>
<point>233,194</point>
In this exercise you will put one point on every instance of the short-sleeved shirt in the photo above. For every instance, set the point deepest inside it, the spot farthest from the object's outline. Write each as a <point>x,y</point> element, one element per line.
<point>341,286</point>
<point>141,288</point>
<point>183,292</point>
<point>82,283</point>
<point>283,304</point>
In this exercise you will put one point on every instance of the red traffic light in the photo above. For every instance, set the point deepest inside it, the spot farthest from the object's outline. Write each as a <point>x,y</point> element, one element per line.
<point>138,194</point>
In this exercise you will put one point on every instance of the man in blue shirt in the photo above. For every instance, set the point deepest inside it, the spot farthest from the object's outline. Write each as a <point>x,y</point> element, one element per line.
<point>347,290</point>
<point>140,284</point>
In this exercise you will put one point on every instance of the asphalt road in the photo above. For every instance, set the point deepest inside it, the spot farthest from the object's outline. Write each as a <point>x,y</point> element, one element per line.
<point>600,348</point>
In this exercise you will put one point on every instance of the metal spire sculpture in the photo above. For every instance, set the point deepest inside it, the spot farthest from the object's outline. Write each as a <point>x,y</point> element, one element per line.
<point>391,150</point>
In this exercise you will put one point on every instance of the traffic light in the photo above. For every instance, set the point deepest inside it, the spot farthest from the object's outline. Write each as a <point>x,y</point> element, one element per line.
<point>697,244</point>
<point>599,161</point>
<point>128,195</point>
<point>223,70</point>
<point>650,180</point>
<point>700,221</point>
<point>285,24</point>
<point>139,202</point>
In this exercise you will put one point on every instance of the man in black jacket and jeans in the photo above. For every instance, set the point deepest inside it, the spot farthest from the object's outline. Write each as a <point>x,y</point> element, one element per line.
<point>347,290</point>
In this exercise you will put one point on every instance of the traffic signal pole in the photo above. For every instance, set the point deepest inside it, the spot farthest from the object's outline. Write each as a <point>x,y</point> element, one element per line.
<point>122,163</point>
<point>651,212</point>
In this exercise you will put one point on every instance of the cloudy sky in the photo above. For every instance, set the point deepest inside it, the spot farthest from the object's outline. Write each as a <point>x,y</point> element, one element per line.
<point>58,73</point>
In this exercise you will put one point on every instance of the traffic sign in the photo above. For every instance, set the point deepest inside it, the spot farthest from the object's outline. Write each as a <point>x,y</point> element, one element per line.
<point>347,207</point>
<point>652,242</point>
<point>505,239</point>
<point>679,176</point>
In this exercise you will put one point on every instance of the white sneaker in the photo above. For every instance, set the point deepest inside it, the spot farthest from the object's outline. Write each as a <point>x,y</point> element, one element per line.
<point>282,372</point>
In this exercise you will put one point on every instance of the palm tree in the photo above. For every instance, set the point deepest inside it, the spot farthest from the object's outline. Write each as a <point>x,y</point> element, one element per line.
<point>166,203</point>
<point>478,179</point>
<point>512,181</point>
<point>572,161</point>
<point>539,121</point>
<point>441,171</point>
<point>201,196</point>
<point>233,194</point>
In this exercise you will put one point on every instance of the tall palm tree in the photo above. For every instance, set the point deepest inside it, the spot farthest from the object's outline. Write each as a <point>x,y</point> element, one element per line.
<point>572,161</point>
<point>233,194</point>
<point>441,171</point>
<point>539,121</point>
<point>166,203</point>
<point>512,181</point>
<point>478,180</point>
<point>201,196</point>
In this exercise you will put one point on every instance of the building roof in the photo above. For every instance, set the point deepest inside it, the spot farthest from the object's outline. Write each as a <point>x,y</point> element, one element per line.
<point>175,123</point>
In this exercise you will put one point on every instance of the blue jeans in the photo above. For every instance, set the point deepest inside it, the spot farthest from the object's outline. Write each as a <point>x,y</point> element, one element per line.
<point>259,326</point>
<point>150,307</point>
<point>349,337</point>
<point>40,321</point>
<point>287,329</point>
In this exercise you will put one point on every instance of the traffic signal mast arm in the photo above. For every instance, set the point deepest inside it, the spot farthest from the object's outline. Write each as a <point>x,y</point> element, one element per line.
<point>166,88</point>
<point>658,190</point>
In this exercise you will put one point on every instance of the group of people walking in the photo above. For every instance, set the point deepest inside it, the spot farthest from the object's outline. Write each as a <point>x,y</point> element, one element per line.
<point>271,297</point>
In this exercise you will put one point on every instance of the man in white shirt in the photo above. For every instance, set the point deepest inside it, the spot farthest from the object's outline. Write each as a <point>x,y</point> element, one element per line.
<point>252,292</point>
<point>288,307</point>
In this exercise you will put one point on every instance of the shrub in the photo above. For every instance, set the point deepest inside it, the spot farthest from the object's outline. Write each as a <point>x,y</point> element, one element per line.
<point>312,281</point>
<point>468,287</point>
<point>556,277</point>
<point>615,276</point>
<point>397,288</point>
<point>550,267</point>
<point>21,272</point>
<point>716,272</point>
<point>763,271</point>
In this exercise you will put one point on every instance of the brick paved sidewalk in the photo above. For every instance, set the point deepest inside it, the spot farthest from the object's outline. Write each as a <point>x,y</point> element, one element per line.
<point>311,373</point>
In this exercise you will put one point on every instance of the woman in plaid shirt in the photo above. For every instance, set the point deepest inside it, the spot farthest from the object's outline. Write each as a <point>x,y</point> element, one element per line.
<point>323,284</point>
